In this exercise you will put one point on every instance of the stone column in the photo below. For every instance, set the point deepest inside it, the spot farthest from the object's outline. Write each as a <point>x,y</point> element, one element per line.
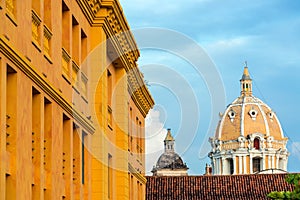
<point>218,164</point>
<point>240,165</point>
<point>264,162</point>
<point>285,160</point>
<point>251,165</point>
<point>214,166</point>
<point>223,166</point>
<point>245,165</point>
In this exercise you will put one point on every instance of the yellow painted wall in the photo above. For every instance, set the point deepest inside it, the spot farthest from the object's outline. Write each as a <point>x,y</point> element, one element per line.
<point>51,96</point>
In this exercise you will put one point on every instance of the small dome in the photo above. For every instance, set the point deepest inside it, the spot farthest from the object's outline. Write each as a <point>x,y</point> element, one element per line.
<point>169,163</point>
<point>170,160</point>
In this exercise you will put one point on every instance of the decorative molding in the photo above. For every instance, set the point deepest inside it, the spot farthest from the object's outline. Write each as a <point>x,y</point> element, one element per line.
<point>253,113</point>
<point>36,22</point>
<point>109,15</point>
<point>95,5</point>
<point>47,38</point>
<point>139,176</point>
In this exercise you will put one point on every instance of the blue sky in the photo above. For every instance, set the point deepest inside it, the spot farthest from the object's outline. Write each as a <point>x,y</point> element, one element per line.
<point>265,33</point>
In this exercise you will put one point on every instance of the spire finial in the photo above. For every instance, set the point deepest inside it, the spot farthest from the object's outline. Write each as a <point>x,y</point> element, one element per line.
<point>169,136</point>
<point>246,63</point>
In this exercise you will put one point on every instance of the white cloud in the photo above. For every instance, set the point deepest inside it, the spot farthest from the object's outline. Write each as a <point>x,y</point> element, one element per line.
<point>226,44</point>
<point>296,149</point>
<point>155,134</point>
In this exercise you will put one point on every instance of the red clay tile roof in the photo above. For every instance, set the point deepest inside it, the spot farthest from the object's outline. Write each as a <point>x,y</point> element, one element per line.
<point>249,187</point>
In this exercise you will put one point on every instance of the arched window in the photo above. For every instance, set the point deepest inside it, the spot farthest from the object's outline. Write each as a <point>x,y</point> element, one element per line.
<point>256,165</point>
<point>231,167</point>
<point>256,143</point>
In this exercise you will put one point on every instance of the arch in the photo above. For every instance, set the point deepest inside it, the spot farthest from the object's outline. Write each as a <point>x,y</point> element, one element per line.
<point>256,144</point>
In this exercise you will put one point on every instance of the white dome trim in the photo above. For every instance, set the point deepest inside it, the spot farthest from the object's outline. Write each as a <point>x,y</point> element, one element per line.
<point>264,115</point>
<point>243,117</point>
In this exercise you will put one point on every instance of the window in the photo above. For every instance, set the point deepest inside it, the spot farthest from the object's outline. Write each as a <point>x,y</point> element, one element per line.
<point>256,143</point>
<point>75,40</point>
<point>11,109</point>
<point>36,134</point>
<point>47,28</point>
<point>66,146</point>
<point>83,156</point>
<point>11,126</point>
<point>109,87</point>
<point>130,130</point>
<point>109,177</point>
<point>47,13</point>
<point>47,134</point>
<point>76,154</point>
<point>256,165</point>
<point>83,45</point>
<point>66,17</point>
<point>231,166</point>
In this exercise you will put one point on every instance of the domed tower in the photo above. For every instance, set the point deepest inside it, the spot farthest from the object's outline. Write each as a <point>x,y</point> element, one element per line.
<point>249,138</point>
<point>170,163</point>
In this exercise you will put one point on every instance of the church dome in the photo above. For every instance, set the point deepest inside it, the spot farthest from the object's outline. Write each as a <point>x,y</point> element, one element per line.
<point>247,115</point>
<point>249,138</point>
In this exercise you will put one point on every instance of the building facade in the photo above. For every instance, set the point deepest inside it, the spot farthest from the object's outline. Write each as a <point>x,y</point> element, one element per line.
<point>249,138</point>
<point>170,163</point>
<point>73,102</point>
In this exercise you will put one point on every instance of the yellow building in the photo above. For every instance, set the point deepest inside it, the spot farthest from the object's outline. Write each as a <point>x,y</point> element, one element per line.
<point>249,138</point>
<point>73,102</point>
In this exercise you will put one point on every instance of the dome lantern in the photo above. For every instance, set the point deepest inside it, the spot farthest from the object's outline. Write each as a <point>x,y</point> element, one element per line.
<point>169,142</point>
<point>246,83</point>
